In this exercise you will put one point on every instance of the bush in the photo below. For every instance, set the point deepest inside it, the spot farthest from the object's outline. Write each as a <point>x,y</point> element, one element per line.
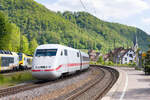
<point>147,63</point>
<point>92,63</point>
<point>109,63</point>
<point>147,69</point>
<point>132,64</point>
<point>100,60</point>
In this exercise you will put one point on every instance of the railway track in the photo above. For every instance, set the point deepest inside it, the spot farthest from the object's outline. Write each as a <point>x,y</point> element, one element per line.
<point>37,84</point>
<point>96,89</point>
<point>93,90</point>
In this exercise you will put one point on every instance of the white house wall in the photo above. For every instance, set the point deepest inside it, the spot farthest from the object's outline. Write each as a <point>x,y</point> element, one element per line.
<point>126,58</point>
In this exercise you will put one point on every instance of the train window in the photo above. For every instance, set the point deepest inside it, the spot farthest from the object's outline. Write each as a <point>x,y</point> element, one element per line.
<point>20,57</point>
<point>46,52</point>
<point>11,60</point>
<point>6,61</point>
<point>65,52</point>
<point>85,58</point>
<point>29,61</point>
<point>6,52</point>
<point>77,54</point>
<point>1,52</point>
<point>61,53</point>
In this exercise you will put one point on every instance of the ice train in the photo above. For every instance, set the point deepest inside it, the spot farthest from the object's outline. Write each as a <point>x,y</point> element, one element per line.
<point>50,61</point>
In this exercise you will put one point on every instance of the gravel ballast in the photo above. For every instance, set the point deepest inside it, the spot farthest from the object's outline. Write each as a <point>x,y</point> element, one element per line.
<point>52,90</point>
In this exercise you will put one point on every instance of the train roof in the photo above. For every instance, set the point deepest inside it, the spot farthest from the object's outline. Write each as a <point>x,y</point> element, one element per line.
<point>56,46</point>
<point>24,54</point>
<point>5,52</point>
<point>51,46</point>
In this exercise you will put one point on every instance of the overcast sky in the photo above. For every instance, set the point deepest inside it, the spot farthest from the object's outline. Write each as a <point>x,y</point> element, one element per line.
<point>129,12</point>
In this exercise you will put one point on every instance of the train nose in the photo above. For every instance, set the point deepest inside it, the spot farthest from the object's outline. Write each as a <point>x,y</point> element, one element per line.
<point>42,68</point>
<point>43,75</point>
<point>43,61</point>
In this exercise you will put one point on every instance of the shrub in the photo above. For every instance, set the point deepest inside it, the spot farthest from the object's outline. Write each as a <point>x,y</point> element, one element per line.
<point>100,60</point>
<point>147,63</point>
<point>92,63</point>
<point>110,63</point>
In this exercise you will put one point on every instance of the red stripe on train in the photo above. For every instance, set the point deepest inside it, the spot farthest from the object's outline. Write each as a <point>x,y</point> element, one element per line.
<point>69,65</point>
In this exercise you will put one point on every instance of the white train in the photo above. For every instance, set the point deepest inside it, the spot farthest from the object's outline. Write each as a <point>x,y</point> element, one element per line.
<point>50,61</point>
<point>8,61</point>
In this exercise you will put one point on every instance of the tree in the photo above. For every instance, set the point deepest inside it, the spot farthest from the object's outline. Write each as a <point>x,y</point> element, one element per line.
<point>33,45</point>
<point>147,63</point>
<point>9,34</point>
<point>14,36</point>
<point>24,45</point>
<point>3,31</point>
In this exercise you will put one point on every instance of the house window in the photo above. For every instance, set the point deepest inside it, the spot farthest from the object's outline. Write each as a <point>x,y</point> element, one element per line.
<point>125,59</point>
<point>130,55</point>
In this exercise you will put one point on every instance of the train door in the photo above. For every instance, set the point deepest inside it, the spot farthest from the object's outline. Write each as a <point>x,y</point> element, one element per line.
<point>66,56</point>
<point>25,62</point>
<point>64,60</point>
<point>80,60</point>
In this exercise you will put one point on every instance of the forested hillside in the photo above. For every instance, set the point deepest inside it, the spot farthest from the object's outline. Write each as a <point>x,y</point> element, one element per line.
<point>39,25</point>
<point>109,31</point>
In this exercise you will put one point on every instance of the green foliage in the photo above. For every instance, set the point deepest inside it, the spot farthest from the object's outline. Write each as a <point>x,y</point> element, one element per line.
<point>108,32</point>
<point>132,64</point>
<point>100,60</point>
<point>147,63</point>
<point>1,78</point>
<point>9,35</point>
<point>33,45</point>
<point>110,63</point>
<point>15,78</point>
<point>92,63</point>
<point>79,30</point>
<point>24,44</point>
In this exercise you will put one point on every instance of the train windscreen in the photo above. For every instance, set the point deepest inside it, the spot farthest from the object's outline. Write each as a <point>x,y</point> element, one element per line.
<point>46,52</point>
<point>20,56</point>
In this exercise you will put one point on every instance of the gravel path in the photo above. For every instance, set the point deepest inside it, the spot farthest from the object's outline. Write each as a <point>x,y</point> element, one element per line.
<point>38,92</point>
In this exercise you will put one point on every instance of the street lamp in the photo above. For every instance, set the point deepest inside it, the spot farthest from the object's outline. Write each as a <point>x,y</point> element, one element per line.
<point>140,59</point>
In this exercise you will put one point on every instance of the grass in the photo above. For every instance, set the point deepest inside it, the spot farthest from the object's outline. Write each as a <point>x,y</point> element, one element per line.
<point>15,79</point>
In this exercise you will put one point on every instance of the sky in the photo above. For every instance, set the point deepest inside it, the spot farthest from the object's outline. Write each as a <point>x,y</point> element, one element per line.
<point>129,12</point>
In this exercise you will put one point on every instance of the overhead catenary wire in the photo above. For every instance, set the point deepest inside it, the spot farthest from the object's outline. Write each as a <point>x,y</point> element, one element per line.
<point>86,10</point>
<point>83,5</point>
